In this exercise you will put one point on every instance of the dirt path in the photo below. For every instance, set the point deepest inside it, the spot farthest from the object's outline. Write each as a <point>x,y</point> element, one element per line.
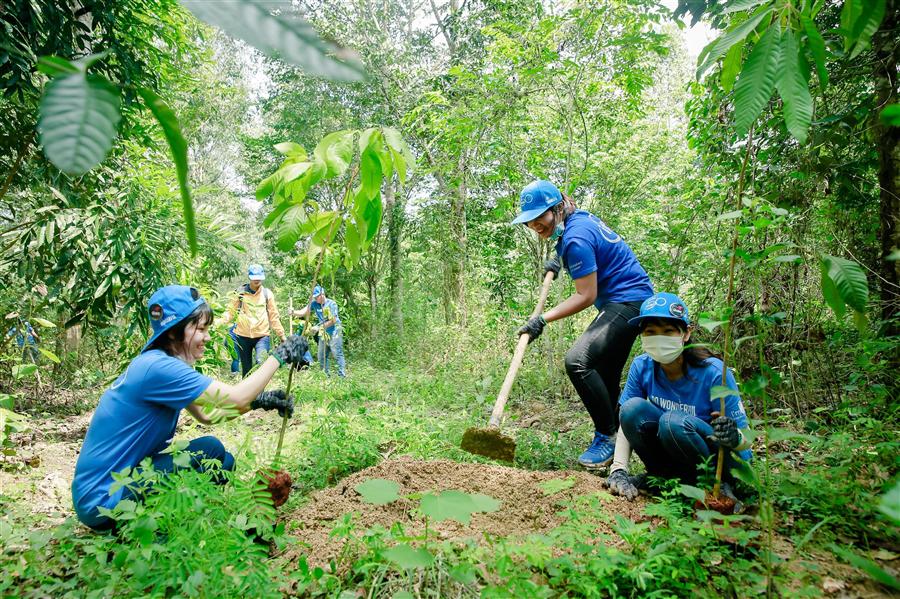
<point>525,507</point>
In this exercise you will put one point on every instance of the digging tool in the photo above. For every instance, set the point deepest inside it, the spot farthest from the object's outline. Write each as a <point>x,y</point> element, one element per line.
<point>490,442</point>
<point>284,419</point>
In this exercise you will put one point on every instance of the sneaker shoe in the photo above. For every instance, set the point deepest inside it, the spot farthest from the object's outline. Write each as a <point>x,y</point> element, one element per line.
<point>600,453</point>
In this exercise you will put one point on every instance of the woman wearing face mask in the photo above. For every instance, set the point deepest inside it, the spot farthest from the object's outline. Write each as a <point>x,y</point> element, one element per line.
<point>137,415</point>
<point>666,413</point>
<point>608,276</point>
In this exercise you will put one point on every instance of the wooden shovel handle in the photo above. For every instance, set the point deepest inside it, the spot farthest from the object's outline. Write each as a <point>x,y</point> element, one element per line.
<point>518,356</point>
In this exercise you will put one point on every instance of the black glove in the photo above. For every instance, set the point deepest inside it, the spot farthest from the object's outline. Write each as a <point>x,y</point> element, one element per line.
<point>534,327</point>
<point>619,483</point>
<point>292,350</point>
<point>725,432</point>
<point>274,400</point>
<point>552,265</point>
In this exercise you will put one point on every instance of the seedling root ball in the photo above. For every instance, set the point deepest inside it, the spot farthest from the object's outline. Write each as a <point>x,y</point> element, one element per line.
<point>279,486</point>
<point>723,504</point>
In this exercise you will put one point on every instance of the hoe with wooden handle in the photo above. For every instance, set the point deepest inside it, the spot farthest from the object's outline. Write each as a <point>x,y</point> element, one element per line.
<point>490,442</point>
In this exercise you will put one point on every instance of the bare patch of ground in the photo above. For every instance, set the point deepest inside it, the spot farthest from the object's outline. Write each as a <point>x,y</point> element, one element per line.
<point>525,507</point>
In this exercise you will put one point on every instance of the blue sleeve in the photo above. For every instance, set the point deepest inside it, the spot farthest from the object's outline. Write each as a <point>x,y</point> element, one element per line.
<point>633,386</point>
<point>173,383</point>
<point>734,407</point>
<point>334,309</point>
<point>579,258</point>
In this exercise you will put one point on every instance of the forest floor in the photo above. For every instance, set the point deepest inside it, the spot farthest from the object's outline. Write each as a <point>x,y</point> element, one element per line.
<point>346,432</point>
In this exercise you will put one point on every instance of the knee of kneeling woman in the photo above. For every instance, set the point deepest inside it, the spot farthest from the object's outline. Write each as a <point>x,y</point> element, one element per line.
<point>672,424</point>
<point>228,462</point>
<point>629,412</point>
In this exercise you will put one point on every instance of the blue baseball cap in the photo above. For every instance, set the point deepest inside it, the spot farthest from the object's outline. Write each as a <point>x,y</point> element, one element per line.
<point>536,198</point>
<point>318,290</point>
<point>662,305</point>
<point>170,305</point>
<point>256,273</point>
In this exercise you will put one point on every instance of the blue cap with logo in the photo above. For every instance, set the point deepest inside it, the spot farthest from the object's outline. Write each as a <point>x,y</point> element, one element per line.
<point>537,197</point>
<point>317,291</point>
<point>256,272</point>
<point>662,305</point>
<point>170,305</point>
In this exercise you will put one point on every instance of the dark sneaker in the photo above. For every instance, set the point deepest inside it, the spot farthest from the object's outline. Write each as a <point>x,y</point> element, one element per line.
<point>600,453</point>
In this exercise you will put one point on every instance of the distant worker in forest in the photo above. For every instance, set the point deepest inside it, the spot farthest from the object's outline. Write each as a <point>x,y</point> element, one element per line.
<point>666,414</point>
<point>137,415</point>
<point>608,276</point>
<point>257,316</point>
<point>25,336</point>
<point>329,330</point>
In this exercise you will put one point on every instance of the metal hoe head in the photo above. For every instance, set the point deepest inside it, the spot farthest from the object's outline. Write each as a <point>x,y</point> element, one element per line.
<point>490,443</point>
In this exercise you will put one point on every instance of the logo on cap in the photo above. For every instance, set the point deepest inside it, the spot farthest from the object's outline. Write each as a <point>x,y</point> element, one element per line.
<point>156,312</point>
<point>676,310</point>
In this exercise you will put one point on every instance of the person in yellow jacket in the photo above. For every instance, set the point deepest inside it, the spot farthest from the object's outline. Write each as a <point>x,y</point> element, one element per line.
<point>257,315</point>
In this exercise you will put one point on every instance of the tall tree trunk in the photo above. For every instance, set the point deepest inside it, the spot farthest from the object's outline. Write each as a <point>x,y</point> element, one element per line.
<point>887,53</point>
<point>394,210</point>
<point>455,250</point>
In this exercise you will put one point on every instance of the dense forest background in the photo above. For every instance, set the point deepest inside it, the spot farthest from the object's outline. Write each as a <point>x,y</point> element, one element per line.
<point>781,236</point>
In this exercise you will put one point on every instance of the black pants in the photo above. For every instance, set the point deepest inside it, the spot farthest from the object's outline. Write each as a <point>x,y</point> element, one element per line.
<point>245,347</point>
<point>595,363</point>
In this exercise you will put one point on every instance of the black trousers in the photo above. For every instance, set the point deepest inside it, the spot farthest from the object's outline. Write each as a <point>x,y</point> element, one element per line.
<point>595,363</point>
<point>245,347</point>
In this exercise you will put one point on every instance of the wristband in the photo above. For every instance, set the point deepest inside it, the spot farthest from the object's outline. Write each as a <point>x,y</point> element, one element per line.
<point>280,361</point>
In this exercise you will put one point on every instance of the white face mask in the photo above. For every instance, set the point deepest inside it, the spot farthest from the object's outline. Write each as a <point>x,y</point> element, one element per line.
<point>663,348</point>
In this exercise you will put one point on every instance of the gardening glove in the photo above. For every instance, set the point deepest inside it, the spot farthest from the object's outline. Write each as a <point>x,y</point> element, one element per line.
<point>725,432</point>
<point>274,400</point>
<point>534,327</point>
<point>619,483</point>
<point>292,350</point>
<point>552,265</point>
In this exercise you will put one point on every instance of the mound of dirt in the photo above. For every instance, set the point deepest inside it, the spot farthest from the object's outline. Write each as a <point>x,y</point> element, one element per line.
<point>525,506</point>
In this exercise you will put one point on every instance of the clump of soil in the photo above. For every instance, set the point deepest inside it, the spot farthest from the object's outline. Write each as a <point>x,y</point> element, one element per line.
<point>489,442</point>
<point>723,504</point>
<point>279,485</point>
<point>525,507</point>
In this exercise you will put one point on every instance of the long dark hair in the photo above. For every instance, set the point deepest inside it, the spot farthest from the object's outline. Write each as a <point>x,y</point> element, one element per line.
<point>170,341</point>
<point>695,356</point>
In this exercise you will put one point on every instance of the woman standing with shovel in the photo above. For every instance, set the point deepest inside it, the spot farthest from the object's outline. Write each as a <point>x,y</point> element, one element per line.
<point>608,276</point>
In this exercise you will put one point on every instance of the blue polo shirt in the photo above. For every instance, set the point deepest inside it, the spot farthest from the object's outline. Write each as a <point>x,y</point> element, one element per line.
<point>587,245</point>
<point>325,312</point>
<point>689,394</point>
<point>136,418</point>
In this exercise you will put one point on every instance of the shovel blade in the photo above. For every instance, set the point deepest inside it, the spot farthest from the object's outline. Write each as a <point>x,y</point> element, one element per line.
<point>490,443</point>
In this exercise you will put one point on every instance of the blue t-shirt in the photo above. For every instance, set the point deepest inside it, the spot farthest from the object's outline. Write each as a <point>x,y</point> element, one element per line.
<point>136,418</point>
<point>689,394</point>
<point>326,312</point>
<point>587,245</point>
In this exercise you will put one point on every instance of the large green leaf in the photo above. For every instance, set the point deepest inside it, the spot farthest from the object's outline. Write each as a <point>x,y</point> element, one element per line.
<point>335,150</point>
<point>369,174</point>
<point>409,557</point>
<point>275,28</point>
<point>891,115</point>
<point>178,146</point>
<point>718,47</point>
<point>850,12</point>
<point>739,5</point>
<point>757,80</point>
<point>793,88</point>
<point>731,66</point>
<point>849,280</point>
<point>816,44</point>
<point>289,227</point>
<point>378,491</point>
<point>78,119</point>
<point>866,25</point>
<point>403,158</point>
<point>449,505</point>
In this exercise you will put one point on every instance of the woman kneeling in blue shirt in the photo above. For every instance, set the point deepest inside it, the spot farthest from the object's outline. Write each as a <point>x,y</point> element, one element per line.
<point>137,415</point>
<point>666,414</point>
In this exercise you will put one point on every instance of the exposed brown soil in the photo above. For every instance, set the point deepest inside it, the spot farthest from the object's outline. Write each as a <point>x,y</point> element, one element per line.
<point>525,507</point>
